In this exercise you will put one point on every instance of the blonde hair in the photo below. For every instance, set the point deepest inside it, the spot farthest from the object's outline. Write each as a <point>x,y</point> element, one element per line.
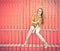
<point>41,15</point>
<point>42,11</point>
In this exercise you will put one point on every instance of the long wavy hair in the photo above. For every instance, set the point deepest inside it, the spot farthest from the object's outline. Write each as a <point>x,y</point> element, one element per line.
<point>42,15</point>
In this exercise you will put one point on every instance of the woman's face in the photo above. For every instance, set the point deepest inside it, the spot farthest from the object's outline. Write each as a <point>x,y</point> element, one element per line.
<point>39,11</point>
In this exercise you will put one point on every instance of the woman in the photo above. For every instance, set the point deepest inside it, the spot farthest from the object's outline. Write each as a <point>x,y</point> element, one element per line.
<point>37,20</point>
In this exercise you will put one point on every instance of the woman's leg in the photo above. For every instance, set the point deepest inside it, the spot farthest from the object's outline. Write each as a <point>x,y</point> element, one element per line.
<point>40,36</point>
<point>29,33</point>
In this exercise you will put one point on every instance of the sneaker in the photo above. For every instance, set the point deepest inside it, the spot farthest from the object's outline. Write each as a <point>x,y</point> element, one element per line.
<point>25,43</point>
<point>46,45</point>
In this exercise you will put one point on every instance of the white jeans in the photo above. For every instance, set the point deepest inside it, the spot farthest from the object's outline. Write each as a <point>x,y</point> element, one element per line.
<point>37,33</point>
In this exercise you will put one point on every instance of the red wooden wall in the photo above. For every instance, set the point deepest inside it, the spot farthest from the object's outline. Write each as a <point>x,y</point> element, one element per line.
<point>15,21</point>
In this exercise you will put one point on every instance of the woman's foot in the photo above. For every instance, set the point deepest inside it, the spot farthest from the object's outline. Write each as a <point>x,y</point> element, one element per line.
<point>25,43</point>
<point>46,45</point>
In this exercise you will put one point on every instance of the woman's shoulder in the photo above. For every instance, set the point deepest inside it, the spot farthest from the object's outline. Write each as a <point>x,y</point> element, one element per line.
<point>35,14</point>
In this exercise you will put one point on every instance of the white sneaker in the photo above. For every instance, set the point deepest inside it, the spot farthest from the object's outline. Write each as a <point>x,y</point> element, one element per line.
<point>46,45</point>
<point>25,43</point>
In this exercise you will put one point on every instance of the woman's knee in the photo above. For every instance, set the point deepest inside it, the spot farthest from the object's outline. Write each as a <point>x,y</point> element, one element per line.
<point>32,28</point>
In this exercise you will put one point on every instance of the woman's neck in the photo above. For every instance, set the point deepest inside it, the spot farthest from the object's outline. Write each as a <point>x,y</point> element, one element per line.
<point>39,15</point>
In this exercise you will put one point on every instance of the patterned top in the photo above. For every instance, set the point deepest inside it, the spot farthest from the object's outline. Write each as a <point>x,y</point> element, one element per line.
<point>37,19</point>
